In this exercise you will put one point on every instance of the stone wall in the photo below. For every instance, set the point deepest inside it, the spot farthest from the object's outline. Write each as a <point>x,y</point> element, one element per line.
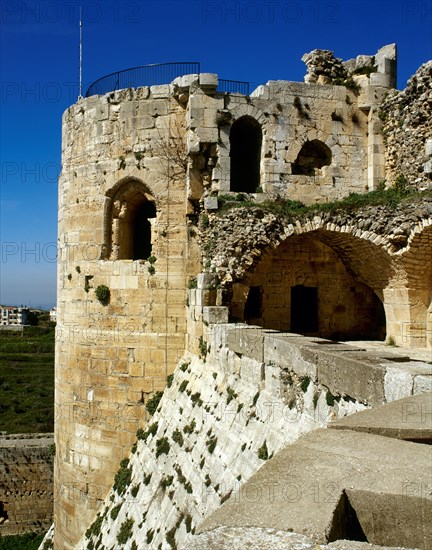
<point>407,129</point>
<point>290,115</point>
<point>223,415</point>
<point>26,483</point>
<point>205,442</point>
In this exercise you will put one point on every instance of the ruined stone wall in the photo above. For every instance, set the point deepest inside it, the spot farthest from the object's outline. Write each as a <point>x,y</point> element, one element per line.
<point>26,483</point>
<point>291,114</point>
<point>339,115</point>
<point>407,129</point>
<point>380,69</point>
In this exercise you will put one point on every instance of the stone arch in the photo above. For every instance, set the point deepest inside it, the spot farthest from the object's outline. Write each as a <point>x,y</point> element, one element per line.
<point>415,296</point>
<point>245,154</point>
<point>313,155</point>
<point>417,257</point>
<point>360,259</point>
<point>129,207</point>
<point>346,238</point>
<point>246,109</point>
<point>319,282</point>
<point>401,279</point>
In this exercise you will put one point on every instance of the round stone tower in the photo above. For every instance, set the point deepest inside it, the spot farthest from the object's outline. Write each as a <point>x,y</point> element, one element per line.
<point>122,273</point>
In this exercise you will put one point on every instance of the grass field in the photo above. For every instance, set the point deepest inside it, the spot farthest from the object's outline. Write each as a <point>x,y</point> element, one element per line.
<point>29,541</point>
<point>27,380</point>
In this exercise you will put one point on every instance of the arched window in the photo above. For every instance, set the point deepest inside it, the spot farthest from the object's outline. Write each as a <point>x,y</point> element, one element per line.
<point>245,153</point>
<point>128,227</point>
<point>314,154</point>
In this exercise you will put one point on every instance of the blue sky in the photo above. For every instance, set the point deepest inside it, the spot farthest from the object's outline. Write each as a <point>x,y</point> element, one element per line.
<point>255,41</point>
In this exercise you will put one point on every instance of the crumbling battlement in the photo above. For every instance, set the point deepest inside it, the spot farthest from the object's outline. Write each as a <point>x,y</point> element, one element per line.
<point>379,69</point>
<point>407,129</point>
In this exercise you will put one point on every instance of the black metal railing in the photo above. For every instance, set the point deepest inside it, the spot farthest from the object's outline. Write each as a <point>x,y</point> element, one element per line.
<point>147,75</point>
<point>160,73</point>
<point>233,86</point>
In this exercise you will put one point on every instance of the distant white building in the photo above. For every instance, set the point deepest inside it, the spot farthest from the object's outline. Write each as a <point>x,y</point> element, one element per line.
<point>53,314</point>
<point>11,315</point>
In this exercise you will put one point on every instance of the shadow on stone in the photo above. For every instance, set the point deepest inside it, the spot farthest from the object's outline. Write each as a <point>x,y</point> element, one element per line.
<point>345,524</point>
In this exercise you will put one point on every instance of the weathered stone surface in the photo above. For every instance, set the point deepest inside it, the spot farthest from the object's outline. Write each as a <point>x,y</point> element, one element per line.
<point>209,80</point>
<point>407,125</point>
<point>294,350</point>
<point>422,383</point>
<point>215,314</point>
<point>211,203</point>
<point>409,419</point>
<point>227,538</point>
<point>26,483</point>
<point>306,486</point>
<point>359,376</point>
<point>226,409</point>
<point>248,340</point>
<point>323,63</point>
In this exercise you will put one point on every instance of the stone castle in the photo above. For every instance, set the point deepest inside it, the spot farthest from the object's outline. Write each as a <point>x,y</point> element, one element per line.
<point>153,266</point>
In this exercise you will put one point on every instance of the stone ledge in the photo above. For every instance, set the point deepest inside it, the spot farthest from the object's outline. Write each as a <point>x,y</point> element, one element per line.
<point>409,419</point>
<point>308,486</point>
<point>259,538</point>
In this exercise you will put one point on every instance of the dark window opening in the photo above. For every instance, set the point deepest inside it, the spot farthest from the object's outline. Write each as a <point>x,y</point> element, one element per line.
<point>245,153</point>
<point>127,230</point>
<point>3,513</point>
<point>304,309</point>
<point>253,309</point>
<point>134,238</point>
<point>141,230</point>
<point>314,154</point>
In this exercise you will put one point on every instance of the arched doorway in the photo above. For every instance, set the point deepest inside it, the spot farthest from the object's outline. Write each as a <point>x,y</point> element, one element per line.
<point>245,155</point>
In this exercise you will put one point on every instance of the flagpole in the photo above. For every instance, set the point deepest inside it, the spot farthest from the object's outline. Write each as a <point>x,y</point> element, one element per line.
<point>80,56</point>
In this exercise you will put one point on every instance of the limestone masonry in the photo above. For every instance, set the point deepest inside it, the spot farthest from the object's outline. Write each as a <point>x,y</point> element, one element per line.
<point>154,274</point>
<point>26,487</point>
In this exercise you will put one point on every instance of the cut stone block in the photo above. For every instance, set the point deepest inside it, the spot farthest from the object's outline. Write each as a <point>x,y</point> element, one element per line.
<point>215,314</point>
